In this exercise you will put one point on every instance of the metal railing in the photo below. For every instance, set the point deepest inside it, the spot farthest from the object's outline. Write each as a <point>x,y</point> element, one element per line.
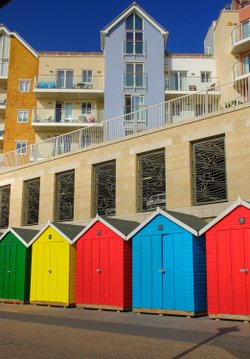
<point>68,82</point>
<point>189,83</point>
<point>240,70</point>
<point>241,32</point>
<point>213,100</point>
<point>74,116</point>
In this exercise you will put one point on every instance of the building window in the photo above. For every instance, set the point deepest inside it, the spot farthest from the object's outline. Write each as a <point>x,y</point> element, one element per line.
<point>31,201</point>
<point>134,109</point>
<point>134,35</point>
<point>24,85</point>
<point>209,171</point>
<point>205,76</point>
<point>64,79</point>
<point>4,206</point>
<point>246,64</point>
<point>65,190</point>
<point>151,181</point>
<point>134,75</point>
<point>245,29</point>
<point>21,147</point>
<point>87,76</point>
<point>22,116</point>
<point>86,108</point>
<point>104,188</point>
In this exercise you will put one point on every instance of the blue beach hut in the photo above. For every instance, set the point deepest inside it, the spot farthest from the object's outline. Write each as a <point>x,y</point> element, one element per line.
<point>169,265</point>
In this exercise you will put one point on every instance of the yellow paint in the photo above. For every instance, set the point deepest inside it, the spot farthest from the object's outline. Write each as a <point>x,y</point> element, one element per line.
<point>52,260</point>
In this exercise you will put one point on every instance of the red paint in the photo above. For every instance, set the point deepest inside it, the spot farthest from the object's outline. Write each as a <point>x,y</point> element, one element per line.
<point>228,251</point>
<point>103,267</point>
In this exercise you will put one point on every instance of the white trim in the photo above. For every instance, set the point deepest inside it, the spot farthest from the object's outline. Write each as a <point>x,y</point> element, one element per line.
<point>15,234</point>
<point>50,224</point>
<point>125,14</point>
<point>166,215</point>
<point>237,203</point>
<point>24,43</point>
<point>108,225</point>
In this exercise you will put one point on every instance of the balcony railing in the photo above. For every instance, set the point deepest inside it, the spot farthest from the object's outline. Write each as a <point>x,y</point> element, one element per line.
<point>241,34</point>
<point>58,116</point>
<point>135,48</point>
<point>135,80</point>
<point>48,83</point>
<point>214,100</point>
<point>187,83</point>
<point>240,70</point>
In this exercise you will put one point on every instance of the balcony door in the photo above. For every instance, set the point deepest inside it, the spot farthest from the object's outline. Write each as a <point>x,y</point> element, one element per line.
<point>64,79</point>
<point>134,75</point>
<point>179,81</point>
<point>246,64</point>
<point>246,29</point>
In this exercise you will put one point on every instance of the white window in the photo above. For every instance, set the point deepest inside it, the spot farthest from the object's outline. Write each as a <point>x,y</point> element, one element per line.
<point>134,76</point>
<point>205,76</point>
<point>86,108</point>
<point>21,147</point>
<point>24,85</point>
<point>22,116</point>
<point>246,64</point>
<point>87,76</point>
<point>134,35</point>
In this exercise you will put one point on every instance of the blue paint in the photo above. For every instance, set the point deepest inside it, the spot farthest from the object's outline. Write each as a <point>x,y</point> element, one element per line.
<point>169,268</point>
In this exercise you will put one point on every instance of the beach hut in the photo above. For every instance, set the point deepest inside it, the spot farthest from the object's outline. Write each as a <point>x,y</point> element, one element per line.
<point>15,262</point>
<point>228,263</point>
<point>104,269</point>
<point>53,266</point>
<point>169,270</point>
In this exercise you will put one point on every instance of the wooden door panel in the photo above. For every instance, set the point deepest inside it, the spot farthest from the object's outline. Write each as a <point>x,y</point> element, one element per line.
<point>104,271</point>
<point>95,272</point>
<point>247,266</point>
<point>157,271</point>
<point>86,270</point>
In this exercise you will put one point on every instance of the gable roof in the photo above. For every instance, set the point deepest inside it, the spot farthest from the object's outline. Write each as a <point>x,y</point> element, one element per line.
<point>3,28</point>
<point>134,7</point>
<point>67,231</point>
<point>187,221</point>
<point>24,235</point>
<point>121,227</point>
<point>237,203</point>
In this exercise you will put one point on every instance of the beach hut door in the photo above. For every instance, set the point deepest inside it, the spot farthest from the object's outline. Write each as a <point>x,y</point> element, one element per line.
<point>9,271</point>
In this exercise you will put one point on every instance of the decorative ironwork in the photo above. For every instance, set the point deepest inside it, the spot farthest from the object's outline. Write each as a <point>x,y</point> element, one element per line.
<point>209,171</point>
<point>31,201</point>
<point>105,188</point>
<point>151,180</point>
<point>65,189</point>
<point>4,206</point>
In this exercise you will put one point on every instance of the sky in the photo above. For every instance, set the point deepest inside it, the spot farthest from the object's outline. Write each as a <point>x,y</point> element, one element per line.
<point>59,25</point>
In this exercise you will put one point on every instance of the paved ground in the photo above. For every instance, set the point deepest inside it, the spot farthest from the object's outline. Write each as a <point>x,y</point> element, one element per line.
<point>40,332</point>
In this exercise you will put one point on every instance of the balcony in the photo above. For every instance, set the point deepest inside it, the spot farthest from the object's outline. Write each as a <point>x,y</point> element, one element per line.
<point>184,85</point>
<point>135,48</point>
<point>132,80</point>
<point>240,38</point>
<point>240,70</point>
<point>2,103</point>
<point>68,87</point>
<point>4,67</point>
<point>65,119</point>
<point>1,134</point>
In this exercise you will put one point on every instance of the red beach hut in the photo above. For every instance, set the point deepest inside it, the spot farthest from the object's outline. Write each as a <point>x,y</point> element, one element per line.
<point>228,263</point>
<point>104,264</point>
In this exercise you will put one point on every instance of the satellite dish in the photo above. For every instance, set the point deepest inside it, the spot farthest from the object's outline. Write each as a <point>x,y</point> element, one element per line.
<point>4,2</point>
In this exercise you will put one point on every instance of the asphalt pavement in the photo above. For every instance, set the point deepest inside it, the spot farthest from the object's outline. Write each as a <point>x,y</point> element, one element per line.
<point>38,332</point>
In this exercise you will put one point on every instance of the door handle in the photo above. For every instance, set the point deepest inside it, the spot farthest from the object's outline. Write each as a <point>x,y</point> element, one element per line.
<point>50,271</point>
<point>98,270</point>
<point>8,271</point>
<point>161,270</point>
<point>243,270</point>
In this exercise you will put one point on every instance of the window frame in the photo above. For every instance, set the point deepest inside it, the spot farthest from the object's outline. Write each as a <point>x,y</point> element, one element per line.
<point>88,71</point>
<point>206,76</point>
<point>27,84</point>
<point>24,145</point>
<point>134,32</point>
<point>134,75</point>
<point>87,108</point>
<point>26,203</point>
<point>58,196</point>
<point>21,116</point>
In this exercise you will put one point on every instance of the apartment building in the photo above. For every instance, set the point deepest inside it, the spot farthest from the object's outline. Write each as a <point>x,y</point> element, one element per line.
<point>149,128</point>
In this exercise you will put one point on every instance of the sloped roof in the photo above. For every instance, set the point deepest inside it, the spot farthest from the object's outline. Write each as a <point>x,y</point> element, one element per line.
<point>24,235</point>
<point>188,222</point>
<point>121,227</point>
<point>70,230</point>
<point>133,7</point>
<point>237,203</point>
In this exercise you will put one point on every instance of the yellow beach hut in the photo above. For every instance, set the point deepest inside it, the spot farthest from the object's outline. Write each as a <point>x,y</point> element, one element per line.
<point>53,267</point>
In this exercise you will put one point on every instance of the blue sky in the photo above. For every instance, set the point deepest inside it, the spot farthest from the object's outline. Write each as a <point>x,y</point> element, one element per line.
<point>59,25</point>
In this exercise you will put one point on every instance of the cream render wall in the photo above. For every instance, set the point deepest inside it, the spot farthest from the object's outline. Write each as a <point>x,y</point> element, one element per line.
<point>176,140</point>
<point>224,59</point>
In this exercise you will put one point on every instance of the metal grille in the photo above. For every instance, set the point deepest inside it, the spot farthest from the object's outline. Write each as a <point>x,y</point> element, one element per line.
<point>151,180</point>
<point>31,201</point>
<point>209,171</point>
<point>105,188</point>
<point>4,206</point>
<point>65,188</point>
